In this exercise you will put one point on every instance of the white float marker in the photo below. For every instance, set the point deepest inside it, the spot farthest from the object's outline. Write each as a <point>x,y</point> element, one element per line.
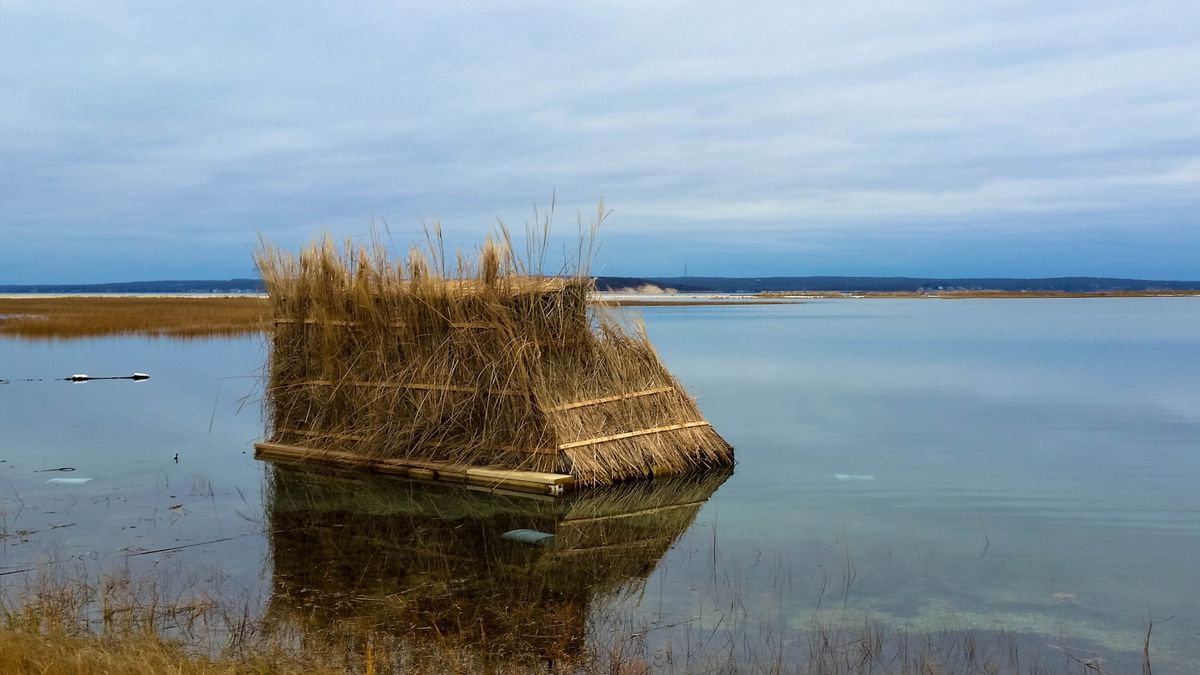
<point>83,377</point>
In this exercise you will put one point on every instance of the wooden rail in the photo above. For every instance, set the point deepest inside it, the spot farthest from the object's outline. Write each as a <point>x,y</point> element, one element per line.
<point>609,399</point>
<point>631,434</point>
<point>521,481</point>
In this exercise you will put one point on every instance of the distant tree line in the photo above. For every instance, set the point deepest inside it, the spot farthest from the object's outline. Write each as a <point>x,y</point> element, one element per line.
<point>697,284</point>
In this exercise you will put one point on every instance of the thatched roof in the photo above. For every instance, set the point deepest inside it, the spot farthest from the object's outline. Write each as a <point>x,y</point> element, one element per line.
<point>492,365</point>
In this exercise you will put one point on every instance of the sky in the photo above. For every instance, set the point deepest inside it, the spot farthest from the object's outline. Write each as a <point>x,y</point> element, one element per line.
<point>162,140</point>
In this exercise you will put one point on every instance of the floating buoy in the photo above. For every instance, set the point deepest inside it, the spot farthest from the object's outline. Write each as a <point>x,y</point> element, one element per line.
<point>83,377</point>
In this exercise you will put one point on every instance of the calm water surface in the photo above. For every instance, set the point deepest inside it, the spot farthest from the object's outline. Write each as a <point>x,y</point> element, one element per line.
<point>1027,466</point>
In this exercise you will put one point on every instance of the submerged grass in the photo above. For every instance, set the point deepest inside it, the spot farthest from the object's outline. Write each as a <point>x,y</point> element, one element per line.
<point>77,627</point>
<point>382,576</point>
<point>27,653</point>
<point>90,316</point>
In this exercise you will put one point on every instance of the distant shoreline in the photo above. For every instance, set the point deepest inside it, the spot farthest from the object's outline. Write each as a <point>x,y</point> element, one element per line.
<point>819,286</point>
<point>973,295</point>
<point>630,298</point>
<point>191,315</point>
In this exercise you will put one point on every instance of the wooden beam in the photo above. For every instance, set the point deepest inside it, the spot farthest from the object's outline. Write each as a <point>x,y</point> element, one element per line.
<point>609,399</point>
<point>631,434</point>
<point>523,481</point>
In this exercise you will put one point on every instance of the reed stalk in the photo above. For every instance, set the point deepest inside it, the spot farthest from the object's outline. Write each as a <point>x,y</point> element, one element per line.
<point>488,361</point>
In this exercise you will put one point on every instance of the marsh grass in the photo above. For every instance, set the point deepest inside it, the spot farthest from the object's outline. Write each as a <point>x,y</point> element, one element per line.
<point>90,316</point>
<point>49,318</point>
<point>125,626</point>
<point>383,576</point>
<point>480,359</point>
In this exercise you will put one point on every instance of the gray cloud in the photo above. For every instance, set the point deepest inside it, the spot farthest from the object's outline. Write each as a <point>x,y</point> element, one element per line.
<point>157,141</point>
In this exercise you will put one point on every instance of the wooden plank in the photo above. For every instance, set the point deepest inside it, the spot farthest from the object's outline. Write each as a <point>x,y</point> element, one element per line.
<point>521,476</point>
<point>609,399</point>
<point>522,481</point>
<point>410,468</point>
<point>631,434</point>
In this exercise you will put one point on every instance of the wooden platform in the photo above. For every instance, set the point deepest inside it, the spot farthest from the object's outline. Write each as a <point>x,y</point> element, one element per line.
<point>500,479</point>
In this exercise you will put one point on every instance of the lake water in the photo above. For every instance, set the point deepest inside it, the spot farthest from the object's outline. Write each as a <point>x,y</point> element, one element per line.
<point>1025,467</point>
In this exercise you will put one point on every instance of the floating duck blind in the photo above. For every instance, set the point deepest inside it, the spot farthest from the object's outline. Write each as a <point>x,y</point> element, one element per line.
<point>488,374</point>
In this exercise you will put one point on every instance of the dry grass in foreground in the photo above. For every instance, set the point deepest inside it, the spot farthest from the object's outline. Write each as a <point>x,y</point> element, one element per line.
<point>60,654</point>
<point>123,626</point>
<point>91,316</point>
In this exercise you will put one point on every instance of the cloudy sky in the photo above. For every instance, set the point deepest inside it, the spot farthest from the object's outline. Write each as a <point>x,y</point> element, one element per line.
<point>159,140</point>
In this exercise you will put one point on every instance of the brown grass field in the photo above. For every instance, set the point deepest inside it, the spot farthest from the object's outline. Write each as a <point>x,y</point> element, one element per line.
<point>69,317</point>
<point>29,653</point>
<point>86,316</point>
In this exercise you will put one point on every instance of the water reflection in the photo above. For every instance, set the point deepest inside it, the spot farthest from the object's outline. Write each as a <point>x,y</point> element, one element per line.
<point>359,555</point>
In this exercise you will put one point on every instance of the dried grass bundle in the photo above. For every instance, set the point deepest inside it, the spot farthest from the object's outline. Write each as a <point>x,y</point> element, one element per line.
<point>492,363</point>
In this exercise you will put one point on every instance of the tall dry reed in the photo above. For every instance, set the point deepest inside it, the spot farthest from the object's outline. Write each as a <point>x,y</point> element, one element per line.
<point>482,360</point>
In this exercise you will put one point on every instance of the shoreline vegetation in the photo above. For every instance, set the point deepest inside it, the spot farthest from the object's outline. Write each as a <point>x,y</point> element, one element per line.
<point>199,316</point>
<point>66,317</point>
<point>114,623</point>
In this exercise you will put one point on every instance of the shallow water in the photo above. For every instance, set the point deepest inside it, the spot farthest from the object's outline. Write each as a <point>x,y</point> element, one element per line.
<point>1025,466</point>
<point>1007,451</point>
<point>168,461</point>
